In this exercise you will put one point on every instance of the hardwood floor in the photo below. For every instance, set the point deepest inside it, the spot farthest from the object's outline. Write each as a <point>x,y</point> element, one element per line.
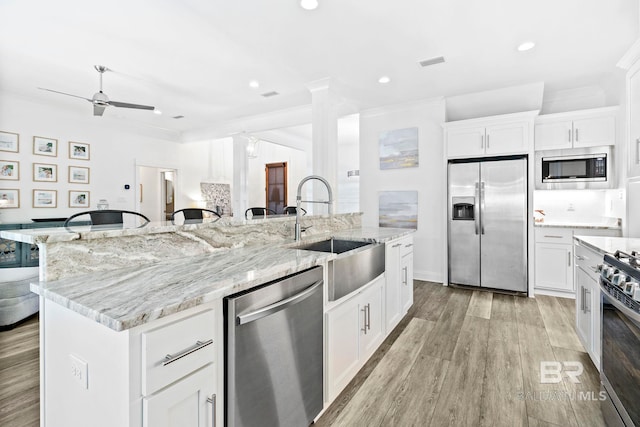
<point>472,358</point>
<point>20,375</point>
<point>459,357</point>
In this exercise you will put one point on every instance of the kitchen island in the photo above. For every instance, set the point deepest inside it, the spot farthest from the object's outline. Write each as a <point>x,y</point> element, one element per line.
<point>105,333</point>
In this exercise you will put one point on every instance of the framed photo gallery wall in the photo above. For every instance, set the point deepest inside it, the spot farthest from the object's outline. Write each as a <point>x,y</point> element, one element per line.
<point>43,171</point>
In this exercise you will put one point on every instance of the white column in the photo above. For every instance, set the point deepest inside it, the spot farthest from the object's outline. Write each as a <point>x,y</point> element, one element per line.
<point>324,122</point>
<point>239,191</point>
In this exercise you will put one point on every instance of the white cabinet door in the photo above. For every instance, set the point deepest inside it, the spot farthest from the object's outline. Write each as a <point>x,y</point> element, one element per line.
<point>371,319</point>
<point>553,135</point>
<point>594,131</point>
<point>583,317</point>
<point>183,404</point>
<point>343,330</point>
<point>633,115</point>
<point>466,142</point>
<point>393,296</point>
<point>554,267</point>
<point>594,310</point>
<point>507,138</point>
<point>407,281</point>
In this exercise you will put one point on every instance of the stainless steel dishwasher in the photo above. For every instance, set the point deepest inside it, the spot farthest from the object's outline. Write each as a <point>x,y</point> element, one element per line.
<point>273,341</point>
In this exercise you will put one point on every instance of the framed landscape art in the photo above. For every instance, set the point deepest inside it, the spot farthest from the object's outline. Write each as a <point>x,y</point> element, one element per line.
<point>9,198</point>
<point>45,146</point>
<point>43,172</point>
<point>9,169</point>
<point>78,175</point>
<point>79,151</point>
<point>78,199</point>
<point>9,141</point>
<point>45,198</point>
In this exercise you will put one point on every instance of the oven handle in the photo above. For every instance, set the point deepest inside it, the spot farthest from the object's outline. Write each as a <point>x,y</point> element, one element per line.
<point>620,306</point>
<point>280,305</point>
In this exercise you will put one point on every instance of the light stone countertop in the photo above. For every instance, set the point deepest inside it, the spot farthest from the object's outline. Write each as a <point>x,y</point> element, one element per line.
<point>128,297</point>
<point>609,245</point>
<point>602,226</point>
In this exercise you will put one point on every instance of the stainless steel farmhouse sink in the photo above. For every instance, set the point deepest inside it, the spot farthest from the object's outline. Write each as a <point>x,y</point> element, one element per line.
<point>357,264</point>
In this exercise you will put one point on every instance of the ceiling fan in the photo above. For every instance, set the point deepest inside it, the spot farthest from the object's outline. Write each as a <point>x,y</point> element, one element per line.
<point>100,100</point>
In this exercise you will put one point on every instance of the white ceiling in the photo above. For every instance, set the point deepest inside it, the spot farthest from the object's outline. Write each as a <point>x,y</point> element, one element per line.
<point>196,57</point>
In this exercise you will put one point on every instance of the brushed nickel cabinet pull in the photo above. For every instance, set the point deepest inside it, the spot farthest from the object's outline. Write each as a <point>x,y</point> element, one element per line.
<point>169,358</point>
<point>364,314</point>
<point>576,135</point>
<point>569,137</point>
<point>550,236</point>
<point>212,400</point>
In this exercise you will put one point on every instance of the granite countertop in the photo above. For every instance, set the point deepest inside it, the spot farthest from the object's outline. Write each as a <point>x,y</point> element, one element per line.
<point>561,224</point>
<point>609,245</point>
<point>129,297</point>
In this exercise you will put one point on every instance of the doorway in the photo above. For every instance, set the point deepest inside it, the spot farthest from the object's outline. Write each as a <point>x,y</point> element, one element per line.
<point>276,186</point>
<point>156,192</point>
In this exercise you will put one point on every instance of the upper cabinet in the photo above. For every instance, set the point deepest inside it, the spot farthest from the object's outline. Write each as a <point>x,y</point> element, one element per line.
<point>631,62</point>
<point>489,136</point>
<point>578,129</point>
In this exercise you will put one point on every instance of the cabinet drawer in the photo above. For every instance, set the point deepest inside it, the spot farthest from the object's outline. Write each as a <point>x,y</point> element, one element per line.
<point>173,351</point>
<point>554,235</point>
<point>588,260</point>
<point>407,246</point>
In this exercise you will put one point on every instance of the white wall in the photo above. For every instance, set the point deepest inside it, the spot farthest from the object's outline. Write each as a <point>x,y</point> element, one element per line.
<point>297,169</point>
<point>348,191</point>
<point>116,148</point>
<point>428,179</point>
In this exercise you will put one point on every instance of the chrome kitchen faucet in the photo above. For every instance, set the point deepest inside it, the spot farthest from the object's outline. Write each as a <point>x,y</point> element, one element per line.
<point>299,200</point>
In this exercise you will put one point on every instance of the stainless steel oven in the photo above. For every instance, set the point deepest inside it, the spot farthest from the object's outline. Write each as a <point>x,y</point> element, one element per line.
<point>620,374</point>
<point>574,169</point>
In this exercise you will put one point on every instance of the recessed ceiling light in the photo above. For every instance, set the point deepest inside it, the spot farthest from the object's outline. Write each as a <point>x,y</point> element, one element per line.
<point>384,79</point>
<point>309,4</point>
<point>156,111</point>
<point>526,46</point>
<point>254,84</point>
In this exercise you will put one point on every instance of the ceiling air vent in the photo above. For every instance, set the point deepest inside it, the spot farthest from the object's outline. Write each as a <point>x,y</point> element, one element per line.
<point>270,94</point>
<point>431,61</point>
<point>178,117</point>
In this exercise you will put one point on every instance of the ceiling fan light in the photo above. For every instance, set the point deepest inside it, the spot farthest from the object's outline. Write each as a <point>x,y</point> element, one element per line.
<point>309,4</point>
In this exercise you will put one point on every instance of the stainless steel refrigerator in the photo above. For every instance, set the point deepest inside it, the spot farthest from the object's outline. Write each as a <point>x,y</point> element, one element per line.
<point>487,223</point>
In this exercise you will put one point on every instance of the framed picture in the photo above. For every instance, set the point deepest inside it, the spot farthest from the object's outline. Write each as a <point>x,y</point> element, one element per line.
<point>9,141</point>
<point>45,198</point>
<point>45,146</point>
<point>9,169</point>
<point>78,199</point>
<point>398,149</point>
<point>45,173</point>
<point>78,175</point>
<point>398,209</point>
<point>79,151</point>
<point>10,198</point>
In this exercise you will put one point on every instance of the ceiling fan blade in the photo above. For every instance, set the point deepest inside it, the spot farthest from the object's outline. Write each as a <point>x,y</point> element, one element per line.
<point>126,105</point>
<point>98,110</point>
<point>63,93</point>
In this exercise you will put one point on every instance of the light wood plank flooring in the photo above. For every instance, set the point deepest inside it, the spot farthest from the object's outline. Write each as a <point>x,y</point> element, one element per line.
<point>472,358</point>
<point>459,357</point>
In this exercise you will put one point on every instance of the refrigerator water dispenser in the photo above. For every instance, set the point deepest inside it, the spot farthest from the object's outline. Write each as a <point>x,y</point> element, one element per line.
<point>463,208</point>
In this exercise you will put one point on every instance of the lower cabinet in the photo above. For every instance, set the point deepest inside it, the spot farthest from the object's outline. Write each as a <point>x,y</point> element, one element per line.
<point>399,286</point>
<point>355,329</point>
<point>588,300</point>
<point>191,402</point>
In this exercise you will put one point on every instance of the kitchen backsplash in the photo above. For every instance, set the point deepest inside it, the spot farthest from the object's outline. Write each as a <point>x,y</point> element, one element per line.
<point>580,206</point>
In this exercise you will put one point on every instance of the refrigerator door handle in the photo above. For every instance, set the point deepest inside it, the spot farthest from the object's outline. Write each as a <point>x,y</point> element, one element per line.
<point>476,212</point>
<point>481,207</point>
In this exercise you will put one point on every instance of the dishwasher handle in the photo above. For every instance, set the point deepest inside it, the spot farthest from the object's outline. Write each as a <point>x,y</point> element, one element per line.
<point>243,319</point>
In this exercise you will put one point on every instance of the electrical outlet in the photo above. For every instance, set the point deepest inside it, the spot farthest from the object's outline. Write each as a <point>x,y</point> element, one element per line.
<point>79,371</point>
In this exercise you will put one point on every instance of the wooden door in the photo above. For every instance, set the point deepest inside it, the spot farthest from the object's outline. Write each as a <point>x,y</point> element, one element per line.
<point>276,186</point>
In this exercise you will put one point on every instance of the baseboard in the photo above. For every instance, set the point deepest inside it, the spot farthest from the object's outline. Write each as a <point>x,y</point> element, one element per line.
<point>553,293</point>
<point>428,276</point>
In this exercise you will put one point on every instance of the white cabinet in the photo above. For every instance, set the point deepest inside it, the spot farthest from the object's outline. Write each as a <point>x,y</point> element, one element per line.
<point>588,300</point>
<point>399,286</point>
<point>554,261</point>
<point>188,403</point>
<point>355,329</point>
<point>579,129</point>
<point>554,258</point>
<point>489,136</point>
<point>178,372</point>
<point>633,120</point>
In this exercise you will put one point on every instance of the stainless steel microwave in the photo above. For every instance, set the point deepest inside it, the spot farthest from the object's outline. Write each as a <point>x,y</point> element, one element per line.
<point>574,169</point>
